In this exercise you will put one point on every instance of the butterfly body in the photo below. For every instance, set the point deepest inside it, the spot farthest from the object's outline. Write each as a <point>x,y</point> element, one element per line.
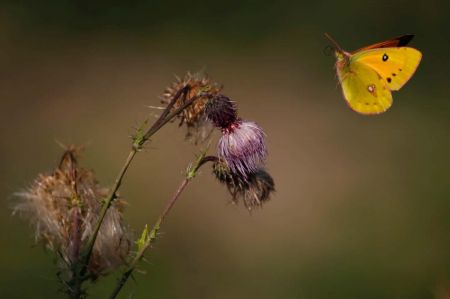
<point>369,75</point>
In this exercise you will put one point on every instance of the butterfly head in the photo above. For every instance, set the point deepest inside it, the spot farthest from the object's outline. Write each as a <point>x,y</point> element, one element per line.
<point>342,58</point>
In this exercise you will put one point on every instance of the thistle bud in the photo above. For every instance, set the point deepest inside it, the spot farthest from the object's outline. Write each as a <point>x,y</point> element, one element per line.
<point>221,111</point>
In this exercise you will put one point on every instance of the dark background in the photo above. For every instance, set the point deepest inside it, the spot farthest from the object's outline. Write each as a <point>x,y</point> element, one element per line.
<point>362,203</point>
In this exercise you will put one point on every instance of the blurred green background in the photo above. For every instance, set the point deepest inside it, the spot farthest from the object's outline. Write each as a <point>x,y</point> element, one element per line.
<point>362,203</point>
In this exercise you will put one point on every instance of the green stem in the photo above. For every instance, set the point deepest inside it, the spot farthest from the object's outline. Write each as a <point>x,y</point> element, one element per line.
<point>112,195</point>
<point>164,118</point>
<point>192,171</point>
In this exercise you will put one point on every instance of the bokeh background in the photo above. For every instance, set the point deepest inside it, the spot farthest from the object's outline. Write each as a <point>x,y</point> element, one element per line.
<point>362,203</point>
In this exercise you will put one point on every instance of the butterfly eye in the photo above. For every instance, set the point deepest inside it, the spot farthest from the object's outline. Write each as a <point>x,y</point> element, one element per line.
<point>385,57</point>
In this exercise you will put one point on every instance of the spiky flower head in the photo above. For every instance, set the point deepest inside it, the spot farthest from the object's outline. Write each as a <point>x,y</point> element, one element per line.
<point>193,116</point>
<point>63,208</point>
<point>221,111</point>
<point>254,190</point>
<point>243,147</point>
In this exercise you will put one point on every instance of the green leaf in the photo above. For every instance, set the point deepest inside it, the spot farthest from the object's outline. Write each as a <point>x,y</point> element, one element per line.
<point>142,241</point>
<point>139,136</point>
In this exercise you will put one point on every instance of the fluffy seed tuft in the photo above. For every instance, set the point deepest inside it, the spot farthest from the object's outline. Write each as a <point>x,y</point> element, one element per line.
<point>63,208</point>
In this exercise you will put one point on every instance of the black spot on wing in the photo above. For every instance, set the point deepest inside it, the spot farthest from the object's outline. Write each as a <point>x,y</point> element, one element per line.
<point>385,57</point>
<point>389,79</point>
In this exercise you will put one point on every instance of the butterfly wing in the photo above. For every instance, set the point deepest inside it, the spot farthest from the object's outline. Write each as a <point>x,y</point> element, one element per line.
<point>395,65</point>
<point>399,41</point>
<point>364,90</point>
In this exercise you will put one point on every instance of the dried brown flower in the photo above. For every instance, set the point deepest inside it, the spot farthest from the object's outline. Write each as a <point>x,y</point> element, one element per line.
<point>254,190</point>
<point>63,208</point>
<point>198,128</point>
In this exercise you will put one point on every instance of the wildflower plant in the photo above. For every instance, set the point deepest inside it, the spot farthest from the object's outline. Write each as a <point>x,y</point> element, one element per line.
<point>83,223</point>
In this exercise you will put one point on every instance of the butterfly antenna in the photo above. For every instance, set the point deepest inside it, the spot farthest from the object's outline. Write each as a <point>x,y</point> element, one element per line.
<point>335,44</point>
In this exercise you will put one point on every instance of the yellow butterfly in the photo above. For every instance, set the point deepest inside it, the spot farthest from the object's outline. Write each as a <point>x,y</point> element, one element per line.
<point>368,75</point>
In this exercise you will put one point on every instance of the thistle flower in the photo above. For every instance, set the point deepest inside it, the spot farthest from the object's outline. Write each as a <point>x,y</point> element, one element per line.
<point>241,153</point>
<point>242,144</point>
<point>253,190</point>
<point>63,208</point>
<point>198,129</point>
<point>243,147</point>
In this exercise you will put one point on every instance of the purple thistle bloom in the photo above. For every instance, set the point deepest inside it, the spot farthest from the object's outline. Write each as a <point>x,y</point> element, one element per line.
<point>243,147</point>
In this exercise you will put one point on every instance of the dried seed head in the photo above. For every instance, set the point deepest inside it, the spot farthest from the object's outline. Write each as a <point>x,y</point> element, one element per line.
<point>260,186</point>
<point>243,147</point>
<point>193,116</point>
<point>254,190</point>
<point>63,208</point>
<point>113,243</point>
<point>221,111</point>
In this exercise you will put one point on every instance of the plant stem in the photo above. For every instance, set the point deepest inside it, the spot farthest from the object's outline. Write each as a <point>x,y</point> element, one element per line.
<point>169,116</point>
<point>127,273</point>
<point>153,233</point>
<point>112,195</point>
<point>164,118</point>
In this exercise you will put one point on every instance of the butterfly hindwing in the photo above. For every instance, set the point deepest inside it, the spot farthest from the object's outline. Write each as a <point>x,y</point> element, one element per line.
<point>395,65</point>
<point>364,90</point>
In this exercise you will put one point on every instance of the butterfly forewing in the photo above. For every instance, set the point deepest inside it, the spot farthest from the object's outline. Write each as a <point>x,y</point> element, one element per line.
<point>399,41</point>
<point>394,65</point>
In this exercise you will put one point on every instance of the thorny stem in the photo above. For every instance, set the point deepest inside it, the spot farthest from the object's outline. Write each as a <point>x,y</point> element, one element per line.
<point>68,164</point>
<point>75,290</point>
<point>158,124</point>
<point>151,237</point>
<point>163,119</point>
<point>182,91</point>
<point>75,234</point>
<point>107,203</point>
<point>75,230</point>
